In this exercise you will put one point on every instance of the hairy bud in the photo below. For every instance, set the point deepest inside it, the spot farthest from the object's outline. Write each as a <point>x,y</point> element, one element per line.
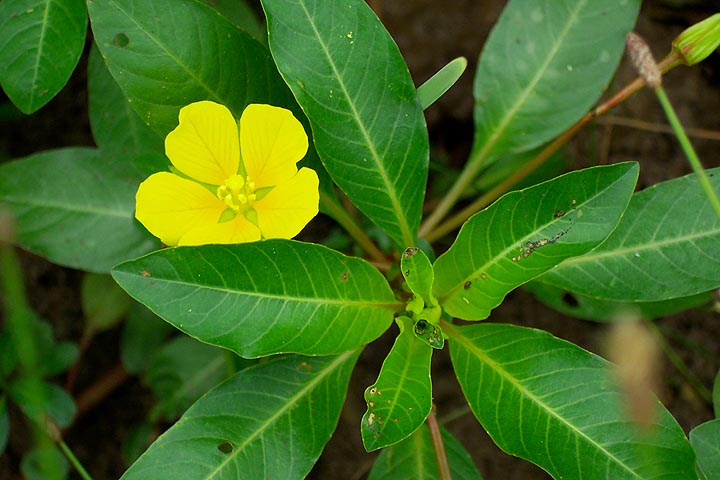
<point>643,60</point>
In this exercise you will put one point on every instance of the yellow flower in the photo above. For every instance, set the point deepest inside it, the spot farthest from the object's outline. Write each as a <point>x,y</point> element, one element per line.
<point>232,183</point>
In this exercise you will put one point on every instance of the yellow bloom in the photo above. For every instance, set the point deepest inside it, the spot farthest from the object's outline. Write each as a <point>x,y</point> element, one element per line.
<point>234,183</point>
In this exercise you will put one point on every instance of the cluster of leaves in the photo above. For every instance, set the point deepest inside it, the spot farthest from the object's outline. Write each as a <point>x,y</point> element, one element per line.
<point>313,308</point>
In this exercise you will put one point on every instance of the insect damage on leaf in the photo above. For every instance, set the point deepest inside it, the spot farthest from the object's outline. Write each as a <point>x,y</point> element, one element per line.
<point>531,245</point>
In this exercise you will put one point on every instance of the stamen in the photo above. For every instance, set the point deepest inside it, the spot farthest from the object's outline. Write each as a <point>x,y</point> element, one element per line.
<point>237,193</point>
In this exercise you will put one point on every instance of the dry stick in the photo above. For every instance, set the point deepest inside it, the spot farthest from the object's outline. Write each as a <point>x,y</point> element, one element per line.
<point>438,446</point>
<point>668,63</point>
<point>72,372</point>
<point>101,389</point>
<point>657,127</point>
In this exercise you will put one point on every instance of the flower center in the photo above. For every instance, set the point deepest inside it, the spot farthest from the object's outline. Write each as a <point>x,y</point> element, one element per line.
<point>237,193</point>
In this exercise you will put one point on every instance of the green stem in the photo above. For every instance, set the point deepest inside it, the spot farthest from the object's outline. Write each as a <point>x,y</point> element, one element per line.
<point>17,311</point>
<point>679,365</point>
<point>348,223</point>
<point>73,460</point>
<point>472,167</point>
<point>688,149</point>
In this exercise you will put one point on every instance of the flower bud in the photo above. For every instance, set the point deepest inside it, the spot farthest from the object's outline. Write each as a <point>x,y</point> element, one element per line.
<point>697,42</point>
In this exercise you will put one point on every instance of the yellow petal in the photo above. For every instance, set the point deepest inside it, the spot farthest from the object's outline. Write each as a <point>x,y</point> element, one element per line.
<point>284,211</point>
<point>237,230</point>
<point>170,206</point>
<point>272,141</point>
<point>204,146</point>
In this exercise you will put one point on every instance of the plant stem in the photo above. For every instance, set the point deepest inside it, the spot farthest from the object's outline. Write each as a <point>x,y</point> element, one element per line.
<point>73,460</point>
<point>429,231</point>
<point>18,324</point>
<point>438,446</point>
<point>688,149</point>
<point>455,414</point>
<point>679,365</point>
<point>348,223</point>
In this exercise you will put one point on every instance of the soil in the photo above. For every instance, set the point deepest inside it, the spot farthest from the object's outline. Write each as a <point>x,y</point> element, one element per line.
<point>429,34</point>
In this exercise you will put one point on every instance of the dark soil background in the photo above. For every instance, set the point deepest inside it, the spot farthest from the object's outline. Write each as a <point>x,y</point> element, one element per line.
<point>429,34</point>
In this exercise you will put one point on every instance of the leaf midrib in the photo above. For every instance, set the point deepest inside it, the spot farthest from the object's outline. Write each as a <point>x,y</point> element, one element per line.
<point>409,362</point>
<point>466,343</point>
<point>189,72</point>
<point>269,296</point>
<point>498,132</point>
<point>656,245</point>
<point>71,208</point>
<point>309,386</point>
<point>41,43</point>
<point>390,190</point>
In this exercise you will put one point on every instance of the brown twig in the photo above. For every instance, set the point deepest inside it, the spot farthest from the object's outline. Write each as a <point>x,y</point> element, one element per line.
<point>438,446</point>
<point>671,61</point>
<point>656,127</point>
<point>103,387</point>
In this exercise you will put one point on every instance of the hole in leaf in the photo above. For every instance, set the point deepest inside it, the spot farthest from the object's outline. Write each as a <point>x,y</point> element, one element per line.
<point>226,447</point>
<point>121,40</point>
<point>421,327</point>
<point>570,300</point>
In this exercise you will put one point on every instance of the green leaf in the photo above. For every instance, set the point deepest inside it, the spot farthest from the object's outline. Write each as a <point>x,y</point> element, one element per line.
<point>143,332</point>
<point>705,439</point>
<point>269,421</point>
<point>418,273</point>
<point>36,399</point>
<point>526,233</point>
<point>118,130</point>
<point>166,54</point>
<point>53,357</point>
<point>36,339</point>
<point>58,358</point>
<point>180,372</point>
<point>44,463</point>
<point>543,66</point>
<point>414,458</point>
<point>348,76</point>
<point>103,302</point>
<point>716,395</point>
<point>263,298</point>
<point>4,424</point>
<point>436,86</point>
<point>550,402</point>
<point>665,247</point>
<point>401,398</point>
<point>40,45</point>
<point>601,310</point>
<point>71,206</point>
<point>506,165</point>
<point>240,14</point>
<point>429,333</point>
